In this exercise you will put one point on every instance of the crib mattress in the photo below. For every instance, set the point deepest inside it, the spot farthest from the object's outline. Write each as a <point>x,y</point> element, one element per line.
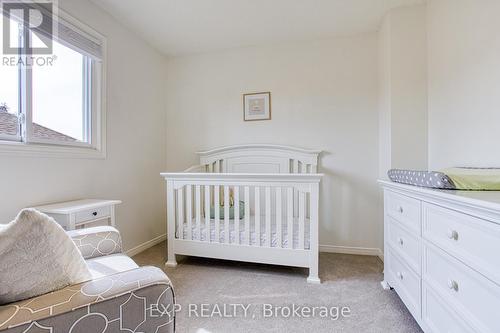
<point>253,235</point>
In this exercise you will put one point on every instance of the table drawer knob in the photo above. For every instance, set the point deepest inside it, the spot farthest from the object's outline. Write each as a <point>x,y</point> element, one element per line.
<point>453,285</point>
<point>401,241</point>
<point>452,234</point>
<point>400,275</point>
<point>94,213</point>
<point>401,210</point>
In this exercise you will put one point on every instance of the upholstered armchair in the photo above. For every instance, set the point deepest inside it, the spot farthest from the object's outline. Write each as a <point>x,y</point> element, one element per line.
<point>121,297</point>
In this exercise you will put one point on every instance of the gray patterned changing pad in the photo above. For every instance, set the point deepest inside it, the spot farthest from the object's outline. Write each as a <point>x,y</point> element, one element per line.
<point>432,179</point>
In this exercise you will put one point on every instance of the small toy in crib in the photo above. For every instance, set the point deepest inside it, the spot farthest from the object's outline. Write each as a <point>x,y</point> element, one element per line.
<point>231,208</point>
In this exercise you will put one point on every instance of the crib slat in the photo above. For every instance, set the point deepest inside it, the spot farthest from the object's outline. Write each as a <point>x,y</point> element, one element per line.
<point>217,166</point>
<point>279,219</point>
<point>302,218</point>
<point>289,216</point>
<point>210,168</point>
<point>198,210</point>
<point>180,213</point>
<point>189,212</point>
<point>217,213</point>
<point>226,214</point>
<point>237,214</point>
<point>303,167</point>
<point>247,215</point>
<point>207,213</point>
<point>268,216</point>
<point>257,216</point>
<point>295,198</point>
<point>295,193</point>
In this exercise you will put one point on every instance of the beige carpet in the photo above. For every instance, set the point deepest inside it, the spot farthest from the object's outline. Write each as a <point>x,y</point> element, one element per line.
<point>348,281</point>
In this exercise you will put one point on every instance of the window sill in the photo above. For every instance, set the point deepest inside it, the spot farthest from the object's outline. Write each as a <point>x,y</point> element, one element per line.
<point>50,151</point>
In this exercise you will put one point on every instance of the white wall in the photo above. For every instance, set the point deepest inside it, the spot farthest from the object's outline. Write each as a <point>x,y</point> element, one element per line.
<point>384,91</point>
<point>324,96</point>
<point>403,89</point>
<point>464,83</point>
<point>136,124</point>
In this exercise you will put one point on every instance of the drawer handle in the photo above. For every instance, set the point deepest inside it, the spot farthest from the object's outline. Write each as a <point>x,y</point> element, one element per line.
<point>452,234</point>
<point>401,210</point>
<point>453,285</point>
<point>401,241</point>
<point>94,213</point>
<point>400,275</point>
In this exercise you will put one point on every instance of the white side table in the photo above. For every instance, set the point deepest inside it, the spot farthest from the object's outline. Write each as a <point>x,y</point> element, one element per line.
<point>78,213</point>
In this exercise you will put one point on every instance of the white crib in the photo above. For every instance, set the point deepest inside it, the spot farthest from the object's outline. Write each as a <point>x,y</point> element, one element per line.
<point>255,203</point>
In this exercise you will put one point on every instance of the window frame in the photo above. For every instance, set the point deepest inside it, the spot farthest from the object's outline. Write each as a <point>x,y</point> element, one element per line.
<point>11,138</point>
<point>18,137</point>
<point>94,99</point>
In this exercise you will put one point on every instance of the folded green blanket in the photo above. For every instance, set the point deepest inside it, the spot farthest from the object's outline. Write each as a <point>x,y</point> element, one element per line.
<point>474,178</point>
<point>231,211</point>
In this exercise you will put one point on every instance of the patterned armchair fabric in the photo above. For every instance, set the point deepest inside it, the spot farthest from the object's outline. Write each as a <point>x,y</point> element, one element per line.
<point>140,300</point>
<point>98,241</point>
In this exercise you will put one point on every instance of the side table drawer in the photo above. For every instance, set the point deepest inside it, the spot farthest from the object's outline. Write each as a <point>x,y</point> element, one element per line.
<point>92,214</point>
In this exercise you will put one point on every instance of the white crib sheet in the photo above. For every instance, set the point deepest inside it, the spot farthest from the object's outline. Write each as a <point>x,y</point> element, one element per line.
<point>274,238</point>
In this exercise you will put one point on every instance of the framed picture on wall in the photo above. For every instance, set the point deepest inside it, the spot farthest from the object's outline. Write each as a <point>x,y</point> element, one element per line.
<point>257,106</point>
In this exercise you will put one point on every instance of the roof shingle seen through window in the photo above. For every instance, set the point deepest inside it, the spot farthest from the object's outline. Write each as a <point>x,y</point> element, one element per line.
<point>9,126</point>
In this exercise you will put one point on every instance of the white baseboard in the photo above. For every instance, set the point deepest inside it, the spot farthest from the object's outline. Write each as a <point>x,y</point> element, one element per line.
<point>381,255</point>
<point>362,251</point>
<point>146,245</point>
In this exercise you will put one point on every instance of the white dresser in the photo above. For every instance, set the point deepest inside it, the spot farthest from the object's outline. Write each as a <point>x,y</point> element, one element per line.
<point>442,256</point>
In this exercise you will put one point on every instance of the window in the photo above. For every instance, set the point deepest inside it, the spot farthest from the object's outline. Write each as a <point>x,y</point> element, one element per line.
<point>59,101</point>
<point>51,99</point>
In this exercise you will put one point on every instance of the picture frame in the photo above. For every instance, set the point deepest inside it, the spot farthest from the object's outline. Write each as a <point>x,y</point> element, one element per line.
<point>257,106</point>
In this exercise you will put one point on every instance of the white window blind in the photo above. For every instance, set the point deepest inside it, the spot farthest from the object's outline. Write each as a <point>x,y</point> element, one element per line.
<point>79,41</point>
<point>54,27</point>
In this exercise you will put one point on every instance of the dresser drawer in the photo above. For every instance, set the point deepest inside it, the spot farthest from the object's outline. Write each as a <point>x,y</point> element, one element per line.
<point>404,209</point>
<point>472,240</point>
<point>92,214</point>
<point>406,244</point>
<point>474,297</point>
<point>437,316</point>
<point>406,283</point>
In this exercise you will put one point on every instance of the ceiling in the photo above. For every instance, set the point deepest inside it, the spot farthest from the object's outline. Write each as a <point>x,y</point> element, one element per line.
<point>179,27</point>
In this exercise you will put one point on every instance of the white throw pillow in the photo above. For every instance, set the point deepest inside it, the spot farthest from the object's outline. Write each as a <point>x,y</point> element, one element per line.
<point>37,257</point>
